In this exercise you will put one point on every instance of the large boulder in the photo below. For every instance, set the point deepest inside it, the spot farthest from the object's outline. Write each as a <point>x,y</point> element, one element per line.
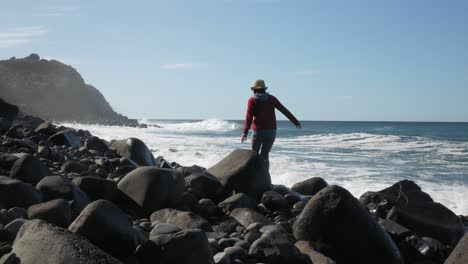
<point>204,184</point>
<point>406,204</point>
<point>182,219</point>
<point>40,242</point>
<point>8,111</point>
<point>335,223</point>
<point>28,169</point>
<point>96,143</point>
<point>460,254</point>
<point>134,149</point>
<point>102,223</point>
<point>310,186</point>
<point>57,212</point>
<point>187,246</point>
<point>58,187</point>
<point>243,171</point>
<point>96,188</point>
<point>153,188</point>
<point>66,138</point>
<point>17,193</point>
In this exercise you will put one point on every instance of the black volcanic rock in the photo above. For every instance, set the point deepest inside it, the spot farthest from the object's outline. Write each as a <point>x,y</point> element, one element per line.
<point>8,111</point>
<point>64,96</point>
<point>335,223</point>
<point>134,149</point>
<point>153,188</point>
<point>106,227</point>
<point>243,171</point>
<point>40,242</point>
<point>414,209</point>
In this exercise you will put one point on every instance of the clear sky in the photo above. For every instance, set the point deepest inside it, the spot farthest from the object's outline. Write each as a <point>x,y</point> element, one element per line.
<point>325,60</point>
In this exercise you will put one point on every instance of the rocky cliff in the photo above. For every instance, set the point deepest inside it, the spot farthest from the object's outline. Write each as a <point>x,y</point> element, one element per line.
<point>55,91</point>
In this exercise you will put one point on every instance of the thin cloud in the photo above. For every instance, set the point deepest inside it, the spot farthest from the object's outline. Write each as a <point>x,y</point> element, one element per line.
<point>15,37</point>
<point>180,66</point>
<point>58,11</point>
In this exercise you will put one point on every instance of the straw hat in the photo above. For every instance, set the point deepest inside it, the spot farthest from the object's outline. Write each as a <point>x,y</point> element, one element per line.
<point>258,84</point>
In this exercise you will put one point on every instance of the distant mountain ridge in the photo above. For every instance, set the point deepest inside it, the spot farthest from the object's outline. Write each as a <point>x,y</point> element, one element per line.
<point>54,91</point>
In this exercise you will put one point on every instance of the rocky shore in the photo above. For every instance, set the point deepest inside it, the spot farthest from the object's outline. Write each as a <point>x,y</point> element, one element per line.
<point>63,93</point>
<point>67,196</point>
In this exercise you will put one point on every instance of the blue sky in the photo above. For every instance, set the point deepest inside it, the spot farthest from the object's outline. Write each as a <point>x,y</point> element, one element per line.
<point>325,60</point>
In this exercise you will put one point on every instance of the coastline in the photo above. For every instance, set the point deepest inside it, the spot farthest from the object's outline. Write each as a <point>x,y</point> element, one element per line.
<point>108,183</point>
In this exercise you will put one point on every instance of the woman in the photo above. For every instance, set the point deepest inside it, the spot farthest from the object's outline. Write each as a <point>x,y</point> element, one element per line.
<point>261,109</point>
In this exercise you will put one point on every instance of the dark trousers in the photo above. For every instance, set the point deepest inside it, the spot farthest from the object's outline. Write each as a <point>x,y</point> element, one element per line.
<point>263,145</point>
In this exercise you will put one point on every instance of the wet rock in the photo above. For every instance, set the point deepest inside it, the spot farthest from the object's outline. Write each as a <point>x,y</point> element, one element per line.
<point>102,223</point>
<point>17,193</point>
<point>40,242</point>
<point>335,223</point>
<point>460,254</point>
<point>274,201</point>
<point>415,210</point>
<point>310,186</point>
<point>96,188</point>
<point>134,149</point>
<point>182,219</point>
<point>66,138</point>
<point>28,169</point>
<point>153,188</point>
<point>246,216</point>
<point>173,248</point>
<point>58,187</point>
<point>57,212</point>
<point>205,184</point>
<point>315,256</point>
<point>242,171</point>
<point>96,143</point>
<point>239,200</point>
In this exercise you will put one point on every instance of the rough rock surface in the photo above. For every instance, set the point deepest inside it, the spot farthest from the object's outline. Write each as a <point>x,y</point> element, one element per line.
<point>40,242</point>
<point>102,223</point>
<point>242,171</point>
<point>134,149</point>
<point>412,208</point>
<point>335,223</point>
<point>153,188</point>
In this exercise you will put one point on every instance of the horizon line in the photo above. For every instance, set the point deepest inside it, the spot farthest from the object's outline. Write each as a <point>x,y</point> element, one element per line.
<point>366,121</point>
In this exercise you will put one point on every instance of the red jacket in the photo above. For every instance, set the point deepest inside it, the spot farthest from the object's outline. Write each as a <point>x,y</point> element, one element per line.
<point>263,114</point>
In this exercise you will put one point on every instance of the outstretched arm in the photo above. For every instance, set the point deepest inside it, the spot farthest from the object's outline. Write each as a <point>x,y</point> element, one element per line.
<point>286,112</point>
<point>248,121</point>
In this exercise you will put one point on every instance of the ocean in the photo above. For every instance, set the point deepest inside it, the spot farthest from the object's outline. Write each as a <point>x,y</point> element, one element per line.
<point>360,156</point>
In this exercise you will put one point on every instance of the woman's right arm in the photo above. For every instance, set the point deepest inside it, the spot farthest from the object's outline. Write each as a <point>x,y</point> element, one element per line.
<point>248,120</point>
